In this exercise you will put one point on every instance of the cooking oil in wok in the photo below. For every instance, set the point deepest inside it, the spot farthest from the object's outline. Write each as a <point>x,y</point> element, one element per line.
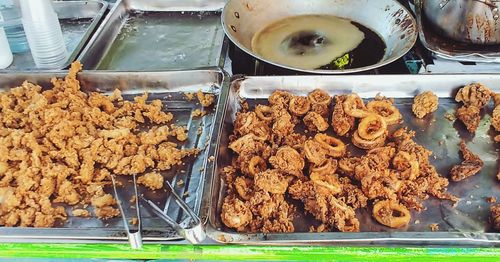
<point>318,42</point>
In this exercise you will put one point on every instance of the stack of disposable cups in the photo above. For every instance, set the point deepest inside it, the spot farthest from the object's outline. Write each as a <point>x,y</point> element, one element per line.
<point>44,34</point>
<point>5,53</point>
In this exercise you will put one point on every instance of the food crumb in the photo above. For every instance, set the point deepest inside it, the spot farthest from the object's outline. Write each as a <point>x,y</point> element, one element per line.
<point>180,183</point>
<point>200,130</point>
<point>206,100</point>
<point>134,221</point>
<point>476,186</point>
<point>417,222</point>
<point>198,113</point>
<point>441,142</point>
<point>189,96</point>
<point>491,199</point>
<point>186,194</point>
<point>450,116</point>
<point>211,159</point>
<point>468,202</point>
<point>434,227</point>
<point>133,199</point>
<point>80,213</point>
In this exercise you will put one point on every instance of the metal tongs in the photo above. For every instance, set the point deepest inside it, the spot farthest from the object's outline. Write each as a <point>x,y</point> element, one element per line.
<point>195,234</point>
<point>133,229</point>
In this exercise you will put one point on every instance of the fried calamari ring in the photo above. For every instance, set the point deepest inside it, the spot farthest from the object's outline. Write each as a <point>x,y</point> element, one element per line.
<point>327,184</point>
<point>279,97</point>
<point>299,105</point>
<point>368,144</point>
<point>243,187</point>
<point>391,214</point>
<point>347,165</point>
<point>333,147</point>
<point>341,122</point>
<point>315,122</point>
<point>272,181</point>
<point>245,122</point>
<point>319,97</point>
<point>372,127</point>
<point>355,107</point>
<point>262,131</point>
<point>256,165</point>
<point>409,166</point>
<point>328,167</point>
<point>235,214</point>
<point>315,153</point>
<point>386,109</point>
<point>288,160</point>
<point>264,113</point>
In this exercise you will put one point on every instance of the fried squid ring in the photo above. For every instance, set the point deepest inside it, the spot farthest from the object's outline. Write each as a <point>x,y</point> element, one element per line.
<point>372,127</point>
<point>279,97</point>
<point>341,122</point>
<point>326,184</point>
<point>391,214</point>
<point>328,167</point>
<point>314,152</point>
<point>288,160</point>
<point>386,109</point>
<point>264,113</point>
<point>347,165</point>
<point>299,105</point>
<point>409,166</point>
<point>334,147</point>
<point>245,122</point>
<point>355,107</point>
<point>368,144</point>
<point>261,131</point>
<point>256,165</point>
<point>243,187</point>
<point>315,122</point>
<point>319,97</point>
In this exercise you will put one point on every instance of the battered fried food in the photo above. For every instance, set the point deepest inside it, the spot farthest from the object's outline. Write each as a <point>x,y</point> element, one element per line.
<point>475,94</point>
<point>315,122</point>
<point>152,180</point>
<point>299,105</point>
<point>495,118</point>
<point>471,165</point>
<point>59,146</point>
<point>424,103</point>
<point>385,108</point>
<point>470,116</point>
<point>235,213</point>
<point>206,100</point>
<point>371,133</point>
<point>495,217</point>
<point>391,214</point>
<point>342,123</point>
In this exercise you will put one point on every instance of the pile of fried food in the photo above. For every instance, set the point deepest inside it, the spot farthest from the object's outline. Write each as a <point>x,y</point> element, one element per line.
<point>60,146</point>
<point>274,163</point>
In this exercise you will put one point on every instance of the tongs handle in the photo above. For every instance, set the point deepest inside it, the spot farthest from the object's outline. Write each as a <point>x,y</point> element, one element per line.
<point>134,236</point>
<point>195,234</point>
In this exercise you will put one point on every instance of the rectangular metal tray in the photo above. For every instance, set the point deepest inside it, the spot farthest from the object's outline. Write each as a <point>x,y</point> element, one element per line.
<point>465,225</point>
<point>157,35</point>
<point>170,87</point>
<point>78,20</point>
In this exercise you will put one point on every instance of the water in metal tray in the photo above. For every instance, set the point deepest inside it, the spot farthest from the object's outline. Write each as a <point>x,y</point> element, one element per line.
<point>164,40</point>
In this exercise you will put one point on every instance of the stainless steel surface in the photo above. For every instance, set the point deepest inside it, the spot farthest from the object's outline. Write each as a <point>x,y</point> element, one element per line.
<point>193,234</point>
<point>170,88</point>
<point>393,23</point>
<point>453,50</point>
<point>78,20</point>
<point>463,225</point>
<point>154,35</point>
<point>133,230</point>
<point>470,21</point>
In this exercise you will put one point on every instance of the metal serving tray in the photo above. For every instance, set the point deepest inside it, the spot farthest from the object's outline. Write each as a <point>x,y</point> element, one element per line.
<point>170,88</point>
<point>78,20</point>
<point>465,225</point>
<point>157,35</point>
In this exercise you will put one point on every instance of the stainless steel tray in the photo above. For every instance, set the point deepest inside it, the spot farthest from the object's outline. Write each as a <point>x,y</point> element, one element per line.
<point>78,20</point>
<point>170,88</point>
<point>157,35</point>
<point>451,49</point>
<point>465,225</point>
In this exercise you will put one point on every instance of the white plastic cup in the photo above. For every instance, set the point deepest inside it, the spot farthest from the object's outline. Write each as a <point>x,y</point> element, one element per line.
<point>5,52</point>
<point>44,34</point>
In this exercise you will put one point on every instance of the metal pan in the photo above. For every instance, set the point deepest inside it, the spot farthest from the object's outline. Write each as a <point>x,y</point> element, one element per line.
<point>388,18</point>
<point>465,225</point>
<point>170,88</point>
<point>78,20</point>
<point>157,35</point>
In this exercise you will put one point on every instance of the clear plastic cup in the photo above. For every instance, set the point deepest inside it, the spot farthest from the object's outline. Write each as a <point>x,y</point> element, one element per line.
<point>5,53</point>
<point>44,34</point>
<point>13,25</point>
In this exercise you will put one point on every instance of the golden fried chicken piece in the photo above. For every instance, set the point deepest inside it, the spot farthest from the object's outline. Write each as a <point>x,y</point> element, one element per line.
<point>152,180</point>
<point>206,100</point>
<point>235,214</point>
<point>475,94</point>
<point>288,160</point>
<point>471,165</point>
<point>469,116</point>
<point>425,103</point>
<point>495,217</point>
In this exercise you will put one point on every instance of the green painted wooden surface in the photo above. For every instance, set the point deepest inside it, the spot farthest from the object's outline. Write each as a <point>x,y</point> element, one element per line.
<point>233,252</point>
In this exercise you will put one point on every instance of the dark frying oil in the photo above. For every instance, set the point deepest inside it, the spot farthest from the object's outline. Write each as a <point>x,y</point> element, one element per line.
<point>369,52</point>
